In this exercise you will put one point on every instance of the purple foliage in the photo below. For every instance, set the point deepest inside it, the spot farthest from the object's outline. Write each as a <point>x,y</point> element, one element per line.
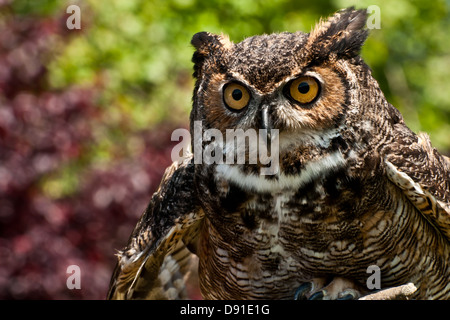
<point>41,132</point>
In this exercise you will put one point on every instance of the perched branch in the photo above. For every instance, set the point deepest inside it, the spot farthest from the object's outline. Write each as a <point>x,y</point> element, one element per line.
<point>403,292</point>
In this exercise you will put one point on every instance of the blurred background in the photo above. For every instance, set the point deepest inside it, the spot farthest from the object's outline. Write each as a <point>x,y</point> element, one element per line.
<point>86,115</point>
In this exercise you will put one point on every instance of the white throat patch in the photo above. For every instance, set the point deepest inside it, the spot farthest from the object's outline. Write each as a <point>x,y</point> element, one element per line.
<point>261,183</point>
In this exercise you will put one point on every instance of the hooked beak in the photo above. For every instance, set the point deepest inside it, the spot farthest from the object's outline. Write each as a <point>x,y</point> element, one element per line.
<point>266,123</point>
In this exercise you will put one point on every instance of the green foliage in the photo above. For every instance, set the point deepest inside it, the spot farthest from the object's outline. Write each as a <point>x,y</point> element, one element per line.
<point>138,51</point>
<point>42,7</point>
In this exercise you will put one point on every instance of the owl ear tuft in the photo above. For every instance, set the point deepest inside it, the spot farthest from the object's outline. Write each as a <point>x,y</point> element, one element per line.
<point>342,35</point>
<point>208,44</point>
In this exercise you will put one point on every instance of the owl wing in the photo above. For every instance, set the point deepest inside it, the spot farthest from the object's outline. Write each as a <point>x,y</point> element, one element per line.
<point>423,175</point>
<point>156,259</point>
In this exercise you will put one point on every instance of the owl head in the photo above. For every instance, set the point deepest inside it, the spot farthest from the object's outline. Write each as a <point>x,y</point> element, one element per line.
<point>311,87</point>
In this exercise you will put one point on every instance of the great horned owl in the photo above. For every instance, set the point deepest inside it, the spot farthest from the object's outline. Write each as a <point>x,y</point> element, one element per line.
<point>355,187</point>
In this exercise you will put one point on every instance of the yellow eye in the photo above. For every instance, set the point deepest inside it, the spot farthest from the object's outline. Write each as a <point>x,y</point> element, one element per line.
<point>236,96</point>
<point>304,89</point>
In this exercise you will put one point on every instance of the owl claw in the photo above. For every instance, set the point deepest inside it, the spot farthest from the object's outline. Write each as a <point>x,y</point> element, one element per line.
<point>302,291</point>
<point>348,296</point>
<point>318,289</point>
<point>319,295</point>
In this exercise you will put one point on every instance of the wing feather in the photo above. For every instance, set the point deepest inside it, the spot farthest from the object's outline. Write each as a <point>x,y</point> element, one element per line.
<point>424,177</point>
<point>156,260</point>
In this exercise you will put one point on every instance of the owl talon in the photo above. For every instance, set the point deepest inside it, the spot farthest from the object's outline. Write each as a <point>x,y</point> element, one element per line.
<point>348,296</point>
<point>302,291</point>
<point>319,295</point>
<point>321,289</point>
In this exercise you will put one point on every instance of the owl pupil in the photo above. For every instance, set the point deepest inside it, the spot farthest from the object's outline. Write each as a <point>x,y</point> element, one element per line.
<point>236,94</point>
<point>303,87</point>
